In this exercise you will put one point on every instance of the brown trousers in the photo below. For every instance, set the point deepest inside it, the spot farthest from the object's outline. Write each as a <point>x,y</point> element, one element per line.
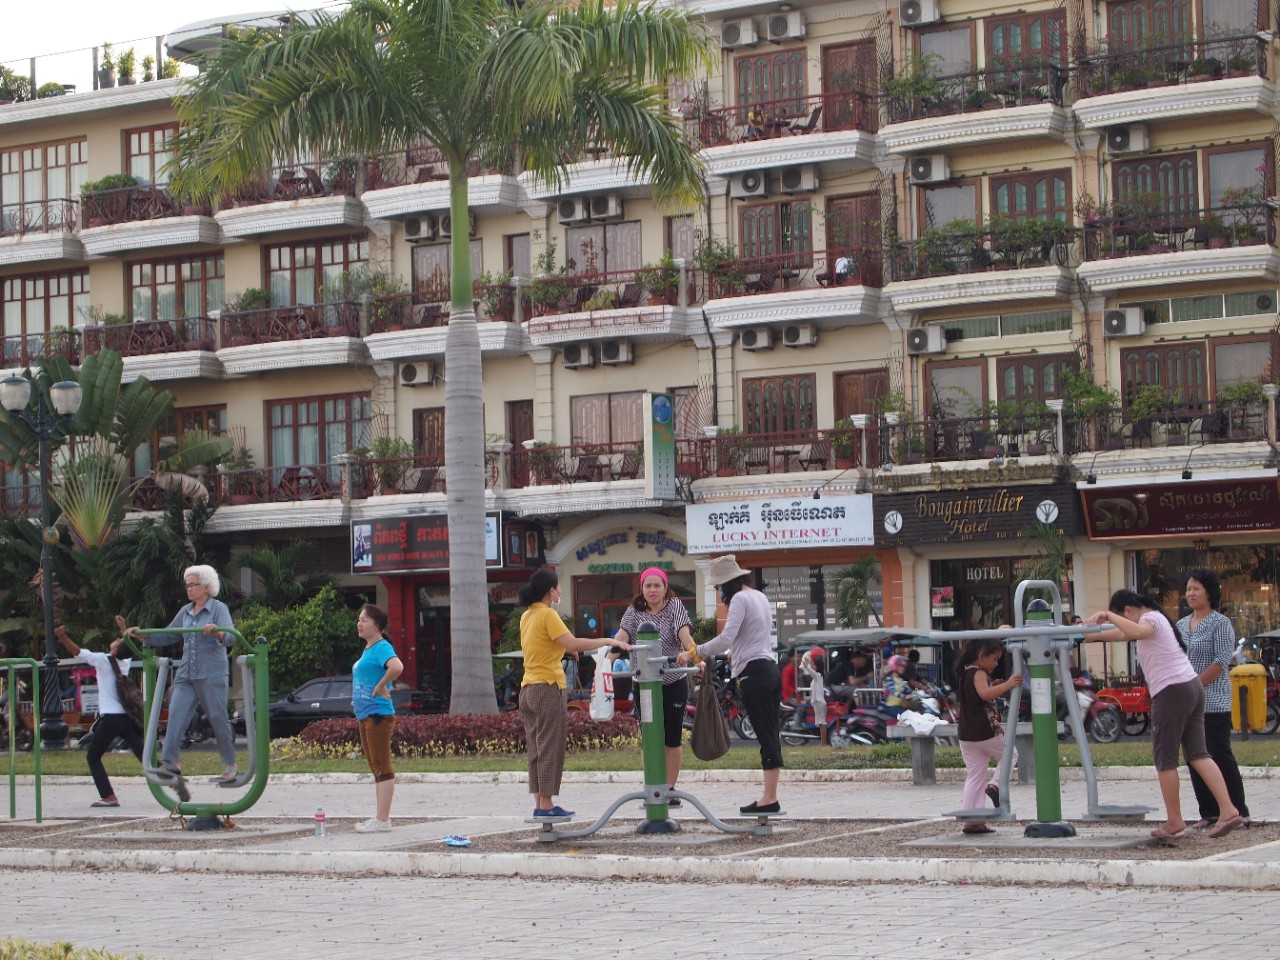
<point>543,708</point>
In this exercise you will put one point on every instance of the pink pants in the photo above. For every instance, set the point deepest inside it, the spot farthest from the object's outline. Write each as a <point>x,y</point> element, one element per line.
<point>976,755</point>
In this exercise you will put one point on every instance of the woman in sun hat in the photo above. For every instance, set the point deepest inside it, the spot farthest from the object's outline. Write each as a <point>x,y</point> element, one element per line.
<point>657,604</point>
<point>748,639</point>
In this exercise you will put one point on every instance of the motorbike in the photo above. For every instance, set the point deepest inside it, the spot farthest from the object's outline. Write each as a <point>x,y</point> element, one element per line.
<point>507,687</point>
<point>1103,720</point>
<point>799,726</point>
<point>732,709</point>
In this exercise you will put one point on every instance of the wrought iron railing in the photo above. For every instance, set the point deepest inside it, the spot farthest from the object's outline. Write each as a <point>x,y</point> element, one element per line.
<point>38,216</point>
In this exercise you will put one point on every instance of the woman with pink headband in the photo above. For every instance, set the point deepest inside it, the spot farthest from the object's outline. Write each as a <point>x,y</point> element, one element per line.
<point>658,605</point>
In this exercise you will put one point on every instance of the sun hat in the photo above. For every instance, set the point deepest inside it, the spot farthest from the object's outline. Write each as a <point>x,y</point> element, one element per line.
<point>723,569</point>
<point>653,572</point>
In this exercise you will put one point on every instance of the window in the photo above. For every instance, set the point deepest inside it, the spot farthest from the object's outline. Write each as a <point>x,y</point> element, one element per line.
<point>956,388</point>
<point>688,415</point>
<point>432,266</point>
<point>1244,358</point>
<point>148,150</point>
<point>777,79</point>
<point>1228,18</point>
<point>1171,178</point>
<point>1247,304</point>
<point>516,255</point>
<point>1020,38</point>
<point>948,49</point>
<point>166,289</point>
<point>604,418</point>
<point>1044,195</point>
<point>180,422</point>
<point>603,248</point>
<point>1034,378</point>
<point>38,303</point>
<point>1179,367</point>
<point>779,404</point>
<point>31,175</point>
<point>297,272</point>
<point>1237,169</point>
<point>771,229</point>
<point>943,205</point>
<point>681,237</point>
<point>314,430</point>
<point>1131,22</point>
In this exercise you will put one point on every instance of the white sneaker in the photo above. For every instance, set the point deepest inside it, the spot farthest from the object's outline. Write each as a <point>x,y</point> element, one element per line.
<point>373,825</point>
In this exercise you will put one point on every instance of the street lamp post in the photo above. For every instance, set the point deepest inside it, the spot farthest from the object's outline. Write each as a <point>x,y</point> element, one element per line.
<point>65,397</point>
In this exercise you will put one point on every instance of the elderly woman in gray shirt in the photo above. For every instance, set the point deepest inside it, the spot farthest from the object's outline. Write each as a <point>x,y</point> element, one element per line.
<point>747,637</point>
<point>202,675</point>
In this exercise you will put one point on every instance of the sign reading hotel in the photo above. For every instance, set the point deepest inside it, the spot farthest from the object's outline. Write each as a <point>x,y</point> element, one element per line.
<point>980,514</point>
<point>411,544</point>
<point>779,523</point>
<point>1182,509</point>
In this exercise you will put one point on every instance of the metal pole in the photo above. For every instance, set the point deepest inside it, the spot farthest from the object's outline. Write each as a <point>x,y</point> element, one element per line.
<point>53,729</point>
<point>647,665</point>
<point>1044,731</point>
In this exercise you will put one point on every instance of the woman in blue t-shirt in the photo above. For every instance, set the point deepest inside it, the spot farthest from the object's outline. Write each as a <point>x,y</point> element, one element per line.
<point>371,680</point>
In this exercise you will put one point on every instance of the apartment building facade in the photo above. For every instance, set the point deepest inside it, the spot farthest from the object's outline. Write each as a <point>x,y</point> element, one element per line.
<point>923,220</point>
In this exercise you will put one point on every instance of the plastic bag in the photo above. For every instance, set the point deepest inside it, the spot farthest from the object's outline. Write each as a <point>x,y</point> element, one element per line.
<point>602,687</point>
<point>920,722</point>
<point>710,738</point>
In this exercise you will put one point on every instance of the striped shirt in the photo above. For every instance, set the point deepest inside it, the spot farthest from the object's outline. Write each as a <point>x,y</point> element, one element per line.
<point>1213,640</point>
<point>669,620</point>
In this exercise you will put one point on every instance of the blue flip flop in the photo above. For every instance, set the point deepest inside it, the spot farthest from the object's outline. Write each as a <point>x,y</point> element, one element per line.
<point>457,842</point>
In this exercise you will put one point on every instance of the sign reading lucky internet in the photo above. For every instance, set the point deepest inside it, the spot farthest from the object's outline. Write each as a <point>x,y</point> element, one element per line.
<point>779,522</point>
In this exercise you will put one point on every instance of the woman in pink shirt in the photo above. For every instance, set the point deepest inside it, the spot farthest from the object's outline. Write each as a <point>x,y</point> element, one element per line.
<point>1177,706</point>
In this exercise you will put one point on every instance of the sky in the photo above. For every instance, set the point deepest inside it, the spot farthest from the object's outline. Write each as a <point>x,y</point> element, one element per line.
<point>61,33</point>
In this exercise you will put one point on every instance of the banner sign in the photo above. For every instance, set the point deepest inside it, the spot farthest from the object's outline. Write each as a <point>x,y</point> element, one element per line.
<point>1182,509</point>
<point>413,544</point>
<point>659,447</point>
<point>769,524</point>
<point>978,514</point>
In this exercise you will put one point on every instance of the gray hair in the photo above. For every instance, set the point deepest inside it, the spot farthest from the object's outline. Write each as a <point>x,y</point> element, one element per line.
<point>207,576</point>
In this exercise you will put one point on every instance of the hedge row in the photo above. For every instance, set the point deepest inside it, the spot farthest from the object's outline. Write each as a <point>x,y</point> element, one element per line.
<point>442,735</point>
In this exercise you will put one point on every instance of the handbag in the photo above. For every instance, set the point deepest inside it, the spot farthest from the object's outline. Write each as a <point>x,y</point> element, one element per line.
<point>710,738</point>
<point>129,692</point>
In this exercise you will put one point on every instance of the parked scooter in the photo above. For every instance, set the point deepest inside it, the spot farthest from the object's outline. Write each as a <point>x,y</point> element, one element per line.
<point>1103,720</point>
<point>799,726</point>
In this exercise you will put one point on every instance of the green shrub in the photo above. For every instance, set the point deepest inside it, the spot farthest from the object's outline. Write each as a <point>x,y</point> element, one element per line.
<point>442,735</point>
<point>309,640</point>
<point>13,949</point>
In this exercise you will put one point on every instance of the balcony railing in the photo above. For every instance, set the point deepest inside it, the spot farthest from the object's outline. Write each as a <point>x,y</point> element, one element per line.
<point>298,322</point>
<point>21,351</point>
<point>301,182</point>
<point>20,500</point>
<point>1138,233</point>
<point>914,97</point>
<point>789,116</point>
<point>38,216</point>
<point>104,208</point>
<point>784,272</point>
<point>1004,245</point>
<point>1196,423</point>
<point>143,338</point>
<point>1176,62</point>
<point>544,464</point>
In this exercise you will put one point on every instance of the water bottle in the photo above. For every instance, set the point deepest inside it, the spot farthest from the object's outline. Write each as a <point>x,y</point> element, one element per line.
<point>320,821</point>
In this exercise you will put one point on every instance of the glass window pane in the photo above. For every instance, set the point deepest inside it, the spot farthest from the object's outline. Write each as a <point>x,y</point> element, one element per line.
<point>1248,304</point>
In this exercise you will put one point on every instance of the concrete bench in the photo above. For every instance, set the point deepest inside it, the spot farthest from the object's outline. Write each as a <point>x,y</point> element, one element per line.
<point>924,761</point>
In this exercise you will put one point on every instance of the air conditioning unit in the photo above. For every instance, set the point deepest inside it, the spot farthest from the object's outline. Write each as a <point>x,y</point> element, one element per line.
<point>577,355</point>
<point>929,168</point>
<point>753,183</point>
<point>445,225</point>
<point>924,340</point>
<point>738,33</point>
<point>757,338</point>
<point>1129,138</point>
<point>417,229</point>
<point>606,206</point>
<point>617,352</point>
<point>421,374</point>
<point>787,25</point>
<point>916,13</point>
<point>802,179</point>
<point>1124,322</point>
<point>800,335</point>
<point>574,210</point>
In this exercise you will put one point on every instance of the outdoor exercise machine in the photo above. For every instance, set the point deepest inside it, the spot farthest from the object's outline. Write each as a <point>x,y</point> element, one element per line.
<point>252,661</point>
<point>648,669</point>
<point>13,721</point>
<point>1041,646</point>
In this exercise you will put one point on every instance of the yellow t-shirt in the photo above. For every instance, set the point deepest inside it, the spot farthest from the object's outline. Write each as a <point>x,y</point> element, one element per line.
<point>540,625</point>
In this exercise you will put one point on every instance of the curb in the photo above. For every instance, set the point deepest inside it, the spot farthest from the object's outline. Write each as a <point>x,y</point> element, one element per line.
<point>1109,873</point>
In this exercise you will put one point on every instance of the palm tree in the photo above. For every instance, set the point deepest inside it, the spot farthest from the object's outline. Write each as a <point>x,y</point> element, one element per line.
<point>853,593</point>
<point>485,80</point>
<point>277,569</point>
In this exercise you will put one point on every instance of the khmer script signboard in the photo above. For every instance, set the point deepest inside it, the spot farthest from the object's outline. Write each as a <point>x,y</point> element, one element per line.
<point>779,522</point>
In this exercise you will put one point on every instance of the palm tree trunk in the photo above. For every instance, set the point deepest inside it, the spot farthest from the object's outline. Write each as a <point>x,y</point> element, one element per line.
<point>472,688</point>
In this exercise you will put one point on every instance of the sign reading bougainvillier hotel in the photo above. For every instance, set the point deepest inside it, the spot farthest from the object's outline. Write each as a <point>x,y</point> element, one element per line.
<point>979,514</point>
<point>779,522</point>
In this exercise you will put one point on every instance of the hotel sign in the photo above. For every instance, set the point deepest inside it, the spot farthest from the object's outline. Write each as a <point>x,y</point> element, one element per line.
<point>977,515</point>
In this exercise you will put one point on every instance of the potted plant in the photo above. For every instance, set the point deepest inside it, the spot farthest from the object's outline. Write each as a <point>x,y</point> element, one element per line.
<point>494,293</point>
<point>106,69</point>
<point>842,434</point>
<point>244,482</point>
<point>1235,400</point>
<point>719,262</point>
<point>1090,404</point>
<point>915,90</point>
<point>546,461</point>
<point>390,456</point>
<point>661,280</point>
<point>125,64</point>
<point>239,330</point>
<point>1242,63</point>
<point>731,451</point>
<point>148,68</point>
<point>551,285</point>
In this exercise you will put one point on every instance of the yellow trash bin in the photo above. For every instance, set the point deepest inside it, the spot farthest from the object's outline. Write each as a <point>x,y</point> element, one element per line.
<point>1251,678</point>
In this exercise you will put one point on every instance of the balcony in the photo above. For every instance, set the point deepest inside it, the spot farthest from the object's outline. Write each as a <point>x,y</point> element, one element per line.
<point>1199,423</point>
<point>142,217</point>
<point>159,349</point>
<point>295,198</point>
<point>23,351</point>
<point>319,334</point>
<point>572,307</point>
<point>1018,99</point>
<point>417,180</point>
<point>409,326</point>
<point>1134,244</point>
<point>20,500</point>
<point>1174,81</point>
<point>39,230</point>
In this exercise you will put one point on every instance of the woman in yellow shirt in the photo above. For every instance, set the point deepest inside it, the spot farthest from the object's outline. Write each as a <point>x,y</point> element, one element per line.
<point>543,702</point>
